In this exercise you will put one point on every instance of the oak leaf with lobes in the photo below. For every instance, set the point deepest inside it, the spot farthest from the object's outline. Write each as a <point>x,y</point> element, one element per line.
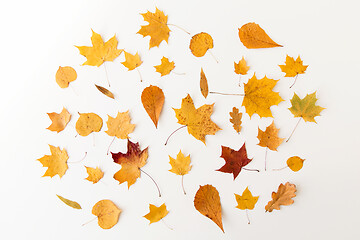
<point>156,213</point>
<point>253,36</point>
<point>56,162</point>
<point>107,213</point>
<point>236,119</point>
<point>153,100</point>
<point>283,196</point>
<point>59,120</point>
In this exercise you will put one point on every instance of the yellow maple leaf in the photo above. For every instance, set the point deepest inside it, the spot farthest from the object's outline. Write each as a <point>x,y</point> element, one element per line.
<point>305,108</point>
<point>59,120</point>
<point>56,162</point>
<point>88,123</point>
<point>259,96</point>
<point>180,165</point>
<point>120,126</point>
<point>107,212</point>
<point>165,67</point>
<point>246,200</point>
<point>100,51</point>
<point>292,67</point>
<point>200,43</point>
<point>65,75</point>
<point>198,121</point>
<point>236,119</point>
<point>157,28</point>
<point>95,174</point>
<point>295,163</point>
<point>241,67</point>
<point>269,138</point>
<point>156,213</point>
<point>132,61</point>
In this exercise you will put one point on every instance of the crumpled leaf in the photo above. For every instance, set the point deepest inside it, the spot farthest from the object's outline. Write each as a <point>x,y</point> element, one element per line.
<point>120,126</point>
<point>153,100</point>
<point>69,202</point>
<point>165,67</point>
<point>88,123</point>
<point>180,165</point>
<point>259,96</point>
<point>253,36</point>
<point>59,120</point>
<point>107,212</point>
<point>236,119</point>
<point>198,121</point>
<point>234,160</point>
<point>156,213</point>
<point>292,67</point>
<point>295,163</point>
<point>157,28</point>
<point>56,162</point>
<point>241,67</point>
<point>105,91</point>
<point>132,61</point>
<point>131,162</point>
<point>200,43</point>
<point>207,202</point>
<point>65,75</point>
<point>246,200</point>
<point>100,51</point>
<point>305,108</point>
<point>204,88</point>
<point>269,138</point>
<point>95,174</point>
<point>283,196</point>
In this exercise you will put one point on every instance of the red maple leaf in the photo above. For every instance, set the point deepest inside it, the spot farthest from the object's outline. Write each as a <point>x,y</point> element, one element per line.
<point>234,160</point>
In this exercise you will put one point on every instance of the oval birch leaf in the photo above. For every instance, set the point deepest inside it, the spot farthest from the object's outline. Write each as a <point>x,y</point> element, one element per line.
<point>69,202</point>
<point>253,36</point>
<point>105,91</point>
<point>153,99</point>
<point>204,88</point>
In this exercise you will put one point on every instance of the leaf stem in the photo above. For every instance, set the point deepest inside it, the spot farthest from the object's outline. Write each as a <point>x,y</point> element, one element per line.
<point>152,180</point>
<point>169,24</point>
<point>232,94</point>
<point>107,78</point>
<point>89,221</point>
<point>182,184</point>
<point>247,215</point>
<point>278,169</point>
<point>110,145</point>
<point>166,224</point>
<point>178,73</point>
<point>255,170</point>
<point>139,74</point>
<point>293,130</point>
<point>173,133</point>
<point>211,53</point>
<point>74,90</point>
<point>80,160</point>
<point>294,80</point>
<point>266,150</point>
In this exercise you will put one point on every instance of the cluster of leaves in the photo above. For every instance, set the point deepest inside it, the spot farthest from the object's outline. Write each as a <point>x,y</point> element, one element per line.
<point>258,98</point>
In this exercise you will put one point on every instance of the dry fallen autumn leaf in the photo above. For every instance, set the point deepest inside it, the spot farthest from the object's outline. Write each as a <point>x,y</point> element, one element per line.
<point>120,126</point>
<point>207,202</point>
<point>253,36</point>
<point>69,202</point>
<point>200,43</point>
<point>269,138</point>
<point>236,119</point>
<point>95,174</point>
<point>59,120</point>
<point>153,100</point>
<point>305,108</point>
<point>204,88</point>
<point>131,61</point>
<point>241,67</point>
<point>246,200</point>
<point>105,91</point>
<point>56,162</point>
<point>88,123</point>
<point>165,67</point>
<point>283,196</point>
<point>156,213</point>
<point>64,76</point>
<point>295,163</point>
<point>107,212</point>
<point>292,67</point>
<point>180,166</point>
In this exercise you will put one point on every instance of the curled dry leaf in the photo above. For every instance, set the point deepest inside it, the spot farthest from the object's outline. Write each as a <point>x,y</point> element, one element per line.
<point>295,163</point>
<point>165,67</point>
<point>246,200</point>
<point>253,36</point>
<point>64,76</point>
<point>236,119</point>
<point>153,100</point>
<point>200,43</point>
<point>241,67</point>
<point>107,212</point>
<point>88,123</point>
<point>59,120</point>
<point>156,213</point>
<point>305,108</point>
<point>69,202</point>
<point>207,202</point>
<point>120,126</point>
<point>283,196</point>
<point>269,138</point>
<point>292,67</point>
<point>95,174</point>
<point>56,162</point>
<point>204,88</point>
<point>105,91</point>
<point>132,61</point>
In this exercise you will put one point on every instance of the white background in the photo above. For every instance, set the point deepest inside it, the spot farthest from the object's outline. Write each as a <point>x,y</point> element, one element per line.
<point>39,36</point>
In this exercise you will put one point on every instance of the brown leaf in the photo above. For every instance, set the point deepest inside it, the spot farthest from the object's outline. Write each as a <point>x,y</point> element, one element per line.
<point>281,197</point>
<point>236,119</point>
<point>253,36</point>
<point>153,99</point>
<point>203,84</point>
<point>269,138</point>
<point>105,91</point>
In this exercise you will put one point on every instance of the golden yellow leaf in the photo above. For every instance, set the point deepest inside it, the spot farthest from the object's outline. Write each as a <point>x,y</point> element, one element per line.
<point>198,121</point>
<point>305,108</point>
<point>259,96</point>
<point>157,28</point>
<point>153,100</point>
<point>59,120</point>
<point>200,43</point>
<point>69,202</point>
<point>283,196</point>
<point>180,165</point>
<point>246,201</point>
<point>295,163</point>
<point>241,67</point>
<point>100,51</point>
<point>105,91</point>
<point>107,212</point>
<point>65,75</point>
<point>132,61</point>
<point>269,138</point>
<point>88,123</point>
<point>207,202</point>
<point>292,67</point>
<point>204,88</point>
<point>56,162</point>
<point>165,67</point>
<point>131,162</point>
<point>156,213</point>
<point>120,126</point>
<point>253,36</point>
<point>95,174</point>
<point>236,119</point>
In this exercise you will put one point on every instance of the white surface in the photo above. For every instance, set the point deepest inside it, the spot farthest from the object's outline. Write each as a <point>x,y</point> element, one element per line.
<point>39,36</point>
